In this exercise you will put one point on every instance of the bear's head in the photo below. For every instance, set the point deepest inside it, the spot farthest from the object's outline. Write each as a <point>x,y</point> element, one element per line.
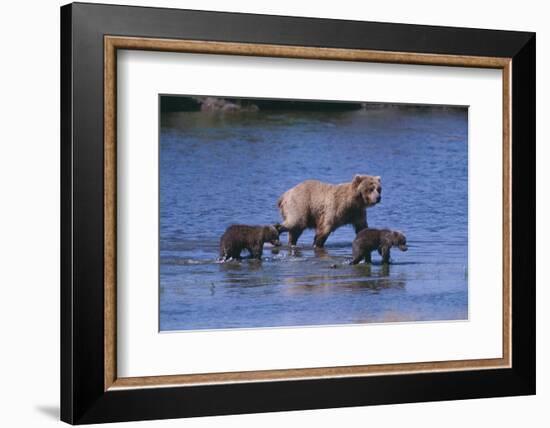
<point>271,235</point>
<point>369,188</point>
<point>399,240</point>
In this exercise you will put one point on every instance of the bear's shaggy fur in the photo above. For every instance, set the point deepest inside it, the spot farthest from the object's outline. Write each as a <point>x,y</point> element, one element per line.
<point>240,237</point>
<point>382,240</point>
<point>325,207</point>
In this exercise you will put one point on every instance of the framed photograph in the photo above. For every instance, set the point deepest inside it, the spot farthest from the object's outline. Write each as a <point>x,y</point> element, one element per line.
<point>266,213</point>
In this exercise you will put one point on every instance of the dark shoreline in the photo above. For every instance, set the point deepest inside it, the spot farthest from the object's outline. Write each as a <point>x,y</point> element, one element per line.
<point>177,103</point>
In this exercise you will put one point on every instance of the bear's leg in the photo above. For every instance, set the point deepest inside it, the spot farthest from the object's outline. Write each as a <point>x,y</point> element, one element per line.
<point>234,254</point>
<point>227,252</point>
<point>321,235</point>
<point>356,259</point>
<point>356,253</point>
<point>385,253</point>
<point>293,236</point>
<point>256,250</point>
<point>368,258</point>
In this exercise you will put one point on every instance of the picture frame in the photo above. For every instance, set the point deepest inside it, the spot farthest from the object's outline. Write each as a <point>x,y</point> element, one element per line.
<point>91,391</point>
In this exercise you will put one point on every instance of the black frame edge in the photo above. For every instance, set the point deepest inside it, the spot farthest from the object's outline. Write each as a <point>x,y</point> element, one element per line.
<point>66,130</point>
<point>305,31</point>
<point>524,213</point>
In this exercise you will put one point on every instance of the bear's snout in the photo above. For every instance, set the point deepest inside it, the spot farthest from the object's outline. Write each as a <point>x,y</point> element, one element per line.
<point>373,199</point>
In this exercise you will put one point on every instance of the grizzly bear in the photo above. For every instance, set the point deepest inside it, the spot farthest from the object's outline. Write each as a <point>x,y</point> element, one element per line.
<point>325,207</point>
<point>382,240</point>
<point>240,237</point>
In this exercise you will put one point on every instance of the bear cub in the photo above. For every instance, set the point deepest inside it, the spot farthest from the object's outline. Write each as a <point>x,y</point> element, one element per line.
<point>240,237</point>
<point>382,240</point>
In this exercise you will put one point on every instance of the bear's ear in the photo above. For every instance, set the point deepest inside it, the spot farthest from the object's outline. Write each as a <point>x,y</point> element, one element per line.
<point>357,180</point>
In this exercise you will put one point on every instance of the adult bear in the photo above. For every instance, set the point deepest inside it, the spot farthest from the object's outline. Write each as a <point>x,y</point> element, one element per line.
<point>325,207</point>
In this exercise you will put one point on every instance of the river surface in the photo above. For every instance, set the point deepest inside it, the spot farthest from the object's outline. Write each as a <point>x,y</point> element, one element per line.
<point>217,169</point>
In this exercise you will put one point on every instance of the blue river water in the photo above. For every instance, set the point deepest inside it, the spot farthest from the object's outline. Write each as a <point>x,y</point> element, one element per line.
<point>217,169</point>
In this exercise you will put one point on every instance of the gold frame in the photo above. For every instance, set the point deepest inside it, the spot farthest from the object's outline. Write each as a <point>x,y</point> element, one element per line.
<point>113,43</point>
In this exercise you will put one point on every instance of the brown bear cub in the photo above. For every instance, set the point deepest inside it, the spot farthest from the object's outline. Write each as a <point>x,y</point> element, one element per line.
<point>325,207</point>
<point>240,237</point>
<point>382,240</point>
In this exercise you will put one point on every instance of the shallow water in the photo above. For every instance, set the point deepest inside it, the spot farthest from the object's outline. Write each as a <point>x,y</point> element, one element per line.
<point>218,169</point>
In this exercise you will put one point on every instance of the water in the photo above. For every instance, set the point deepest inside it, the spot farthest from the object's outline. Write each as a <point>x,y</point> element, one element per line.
<point>218,169</point>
